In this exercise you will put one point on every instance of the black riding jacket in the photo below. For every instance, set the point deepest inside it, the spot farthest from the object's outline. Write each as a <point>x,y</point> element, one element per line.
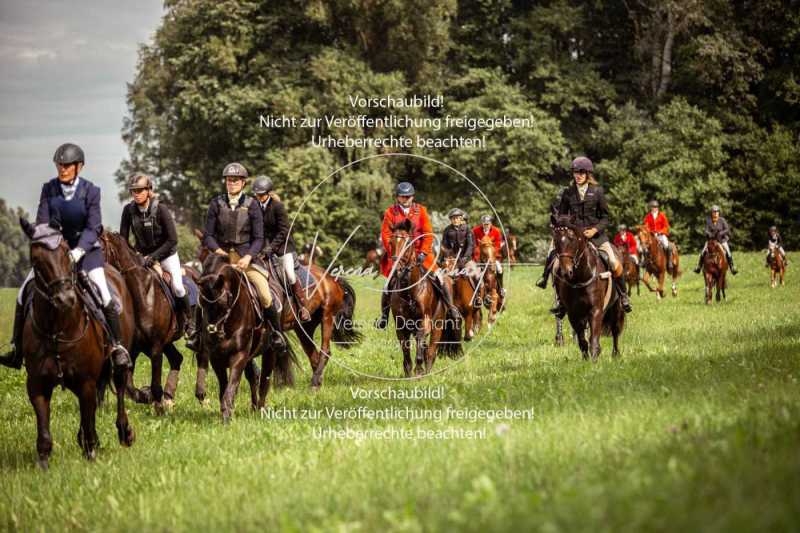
<point>154,230</point>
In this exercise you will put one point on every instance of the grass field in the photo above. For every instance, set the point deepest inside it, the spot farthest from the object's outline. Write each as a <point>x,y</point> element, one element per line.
<point>695,427</point>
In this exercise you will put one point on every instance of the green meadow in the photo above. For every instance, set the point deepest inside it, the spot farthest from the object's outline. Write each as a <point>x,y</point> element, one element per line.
<point>695,427</point>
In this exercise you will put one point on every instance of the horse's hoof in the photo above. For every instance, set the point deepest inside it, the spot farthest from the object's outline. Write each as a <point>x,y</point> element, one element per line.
<point>43,463</point>
<point>91,455</point>
<point>169,404</point>
<point>226,419</point>
<point>205,403</point>
<point>158,408</point>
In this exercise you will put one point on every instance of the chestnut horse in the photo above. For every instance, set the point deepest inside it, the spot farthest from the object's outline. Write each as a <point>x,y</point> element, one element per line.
<point>654,260</point>
<point>157,326</point>
<point>464,295</point>
<point>64,344</point>
<point>715,268</point>
<point>630,269</point>
<point>493,299</point>
<point>233,333</point>
<point>417,308</point>
<point>584,286</point>
<point>777,266</point>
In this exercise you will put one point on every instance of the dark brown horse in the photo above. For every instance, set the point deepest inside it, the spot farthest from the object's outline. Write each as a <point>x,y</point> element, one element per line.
<point>464,295</point>
<point>417,308</point>
<point>508,250</point>
<point>233,333</point>
<point>157,325</point>
<point>584,286</point>
<point>715,269</point>
<point>654,260</point>
<point>493,299</point>
<point>63,344</point>
<point>372,261</point>
<point>777,266</point>
<point>630,269</point>
<point>330,302</point>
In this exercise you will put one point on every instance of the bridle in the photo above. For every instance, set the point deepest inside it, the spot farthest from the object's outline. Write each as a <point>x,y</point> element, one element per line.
<point>218,327</point>
<point>576,260</point>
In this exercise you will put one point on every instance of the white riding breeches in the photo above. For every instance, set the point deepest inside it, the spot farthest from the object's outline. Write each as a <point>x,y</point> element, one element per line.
<point>287,260</point>
<point>172,264</point>
<point>499,266</point>
<point>725,246</point>
<point>97,275</point>
<point>663,240</point>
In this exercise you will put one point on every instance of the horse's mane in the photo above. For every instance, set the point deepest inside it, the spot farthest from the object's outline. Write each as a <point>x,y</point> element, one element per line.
<point>123,246</point>
<point>404,225</point>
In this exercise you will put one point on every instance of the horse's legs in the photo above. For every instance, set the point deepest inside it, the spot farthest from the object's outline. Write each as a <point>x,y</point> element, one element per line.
<point>142,395</point>
<point>404,336</point>
<point>220,367</point>
<point>252,375</point>
<point>325,353</point>
<point>39,393</point>
<point>661,278</point>
<point>559,332</point>
<point>156,392</point>
<point>269,360</point>
<point>202,371</point>
<point>306,337</point>
<point>646,281</point>
<point>422,345</point>
<point>579,328</point>
<point>124,429</point>
<point>238,362</point>
<point>615,334</point>
<point>596,327</point>
<point>87,435</point>
<point>175,360</point>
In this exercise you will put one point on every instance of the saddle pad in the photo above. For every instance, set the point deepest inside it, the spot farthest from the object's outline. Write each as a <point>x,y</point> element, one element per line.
<point>304,275</point>
<point>191,290</point>
<point>167,289</point>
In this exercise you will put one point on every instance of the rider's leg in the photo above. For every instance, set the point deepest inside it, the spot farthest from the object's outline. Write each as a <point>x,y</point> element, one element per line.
<point>183,308</point>
<point>259,280</point>
<point>385,307</point>
<point>618,275</point>
<point>548,266</point>
<point>287,260</point>
<point>447,294</point>
<point>700,259</point>
<point>92,263</point>
<point>727,247</point>
<point>13,358</point>
<point>501,287</point>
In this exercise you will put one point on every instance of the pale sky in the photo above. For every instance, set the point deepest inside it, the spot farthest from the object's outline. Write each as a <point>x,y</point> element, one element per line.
<point>64,66</point>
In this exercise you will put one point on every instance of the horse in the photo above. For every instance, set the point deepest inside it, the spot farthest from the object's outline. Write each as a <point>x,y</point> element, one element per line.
<point>654,260</point>
<point>417,308</point>
<point>309,253</point>
<point>585,287</point>
<point>66,344</point>
<point>508,249</point>
<point>630,269</point>
<point>715,268</point>
<point>777,266</point>
<point>494,298</point>
<point>157,324</point>
<point>372,262</point>
<point>234,332</point>
<point>331,304</point>
<point>464,295</point>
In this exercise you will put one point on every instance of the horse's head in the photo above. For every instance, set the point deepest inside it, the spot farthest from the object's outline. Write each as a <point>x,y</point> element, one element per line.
<point>218,294</point>
<point>569,243</point>
<point>118,251</point>
<point>54,275</point>
<point>401,244</point>
<point>645,237</point>
<point>486,245</point>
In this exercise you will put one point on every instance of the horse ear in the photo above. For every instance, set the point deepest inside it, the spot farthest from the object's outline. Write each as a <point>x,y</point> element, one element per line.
<point>27,227</point>
<point>198,234</point>
<point>407,225</point>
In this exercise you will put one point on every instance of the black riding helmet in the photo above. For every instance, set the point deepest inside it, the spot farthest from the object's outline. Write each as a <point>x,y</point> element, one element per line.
<point>262,185</point>
<point>67,154</point>
<point>404,188</point>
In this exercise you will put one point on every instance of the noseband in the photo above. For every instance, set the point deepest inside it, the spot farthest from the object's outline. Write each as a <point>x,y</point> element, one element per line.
<point>218,328</point>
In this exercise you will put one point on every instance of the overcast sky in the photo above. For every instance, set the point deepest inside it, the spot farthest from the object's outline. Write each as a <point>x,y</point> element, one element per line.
<point>63,69</point>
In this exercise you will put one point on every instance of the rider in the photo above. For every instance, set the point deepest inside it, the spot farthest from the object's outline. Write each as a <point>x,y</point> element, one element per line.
<point>586,201</point>
<point>774,240</point>
<point>422,233</point>
<point>235,230</point>
<point>625,239</point>
<point>717,228</point>
<point>478,232</point>
<point>156,239</point>
<point>458,241</point>
<point>277,239</point>
<point>71,203</point>
<point>656,221</point>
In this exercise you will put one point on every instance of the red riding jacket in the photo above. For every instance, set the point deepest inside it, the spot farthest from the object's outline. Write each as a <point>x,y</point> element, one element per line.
<point>659,224</point>
<point>494,233</point>
<point>628,241</point>
<point>422,232</point>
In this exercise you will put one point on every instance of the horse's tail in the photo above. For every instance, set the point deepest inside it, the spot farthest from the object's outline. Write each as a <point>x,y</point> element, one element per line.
<point>284,366</point>
<point>449,344</point>
<point>345,332</point>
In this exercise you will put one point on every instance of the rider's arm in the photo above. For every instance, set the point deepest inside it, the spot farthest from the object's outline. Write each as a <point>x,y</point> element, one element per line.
<point>427,233</point>
<point>282,221</point>
<point>386,230</point>
<point>167,224</point>
<point>43,212</point>
<point>125,223</point>
<point>710,231</point>
<point>94,220</point>
<point>602,211</point>
<point>256,229</point>
<point>469,246</point>
<point>209,238</point>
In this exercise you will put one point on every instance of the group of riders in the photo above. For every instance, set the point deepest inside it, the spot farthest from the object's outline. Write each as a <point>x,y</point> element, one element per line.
<point>248,231</point>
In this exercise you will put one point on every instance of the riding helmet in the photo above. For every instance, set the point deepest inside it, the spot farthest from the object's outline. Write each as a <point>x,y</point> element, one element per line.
<point>486,219</point>
<point>622,227</point>
<point>133,181</point>
<point>235,169</point>
<point>773,228</point>
<point>653,203</point>
<point>456,212</point>
<point>404,188</point>
<point>262,185</point>
<point>715,209</point>
<point>68,153</point>
<point>582,163</point>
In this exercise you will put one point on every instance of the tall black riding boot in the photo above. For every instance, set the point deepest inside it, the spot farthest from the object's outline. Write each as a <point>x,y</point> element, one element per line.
<point>193,329</point>
<point>700,263</point>
<point>730,264</point>
<point>622,290</point>
<point>558,308</point>
<point>385,307</point>
<point>13,359</point>
<point>548,267</point>
<point>184,311</point>
<point>278,340</point>
<point>447,294</point>
<point>119,355</point>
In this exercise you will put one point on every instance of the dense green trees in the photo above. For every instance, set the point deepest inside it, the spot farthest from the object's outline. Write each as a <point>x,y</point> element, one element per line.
<point>691,102</point>
<point>14,246</point>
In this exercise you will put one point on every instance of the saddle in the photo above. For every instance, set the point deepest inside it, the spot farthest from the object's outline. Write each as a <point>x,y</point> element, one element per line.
<point>278,284</point>
<point>165,281</point>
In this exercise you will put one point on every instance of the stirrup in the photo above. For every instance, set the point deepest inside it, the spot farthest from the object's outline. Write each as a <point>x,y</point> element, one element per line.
<point>558,310</point>
<point>120,356</point>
